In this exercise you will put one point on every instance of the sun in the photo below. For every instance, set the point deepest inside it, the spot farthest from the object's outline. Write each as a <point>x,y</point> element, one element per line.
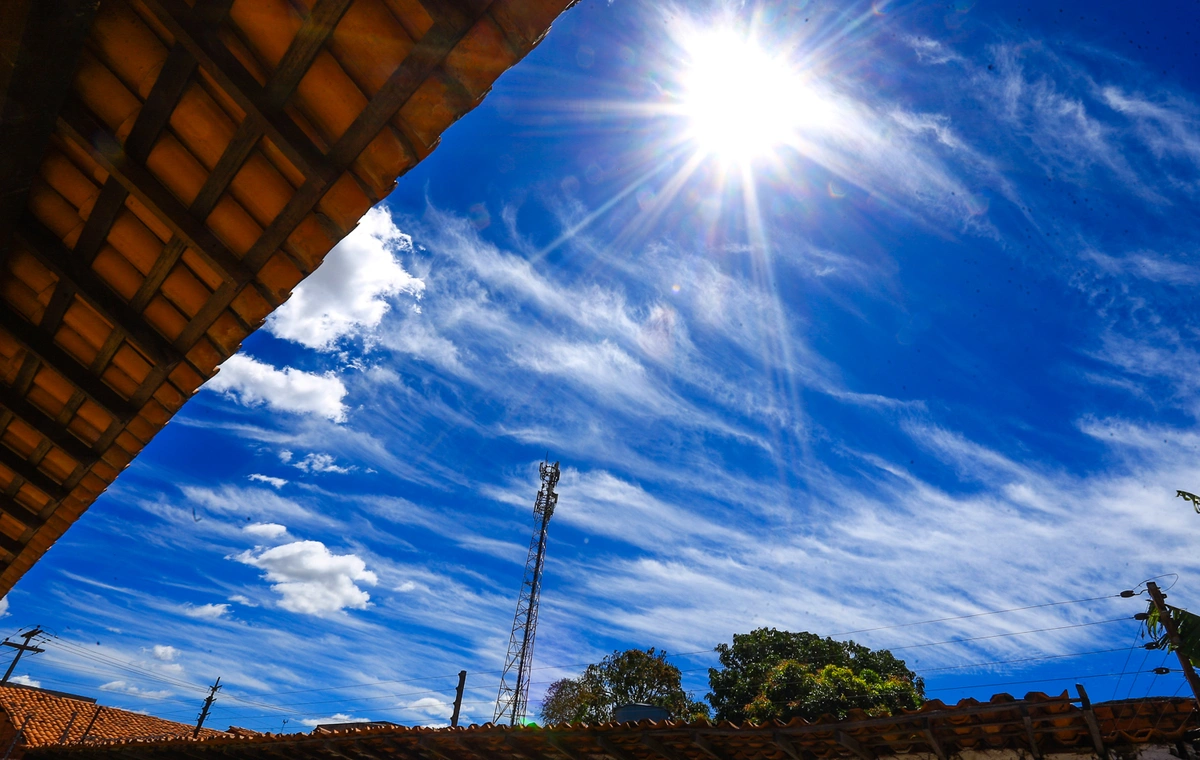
<point>740,101</point>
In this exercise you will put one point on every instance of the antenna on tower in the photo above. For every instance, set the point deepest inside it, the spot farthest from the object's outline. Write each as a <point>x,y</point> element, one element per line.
<point>514,683</point>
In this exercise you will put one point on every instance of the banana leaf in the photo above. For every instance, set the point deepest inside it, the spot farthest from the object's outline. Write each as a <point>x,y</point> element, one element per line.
<point>1186,623</point>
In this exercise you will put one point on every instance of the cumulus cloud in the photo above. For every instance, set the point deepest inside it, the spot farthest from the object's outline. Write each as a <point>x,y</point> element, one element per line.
<point>164,652</point>
<point>268,531</point>
<point>268,479</point>
<point>428,707</point>
<point>3,606</point>
<point>206,611</point>
<point>319,463</point>
<point>254,383</point>
<point>348,295</point>
<point>311,579</point>
<point>25,681</point>
<point>242,600</point>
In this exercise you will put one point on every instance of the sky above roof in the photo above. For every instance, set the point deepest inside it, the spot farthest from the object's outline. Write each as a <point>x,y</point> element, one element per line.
<point>927,352</point>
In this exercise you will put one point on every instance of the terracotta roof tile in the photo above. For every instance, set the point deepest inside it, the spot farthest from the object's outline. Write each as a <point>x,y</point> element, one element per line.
<point>1055,724</point>
<point>183,175</point>
<point>53,718</point>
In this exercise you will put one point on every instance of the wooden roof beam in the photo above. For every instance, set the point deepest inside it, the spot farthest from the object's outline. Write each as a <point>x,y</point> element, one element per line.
<point>42,345</point>
<point>20,512</point>
<point>422,60</point>
<point>704,746</point>
<point>173,79</point>
<point>201,41</point>
<point>612,749</point>
<point>80,278</point>
<point>1093,725</point>
<point>31,474</point>
<point>313,34</point>
<point>854,745</point>
<point>38,82</point>
<point>10,545</point>
<point>47,427</point>
<point>86,132</point>
<point>935,745</point>
<point>785,744</point>
<point>420,63</point>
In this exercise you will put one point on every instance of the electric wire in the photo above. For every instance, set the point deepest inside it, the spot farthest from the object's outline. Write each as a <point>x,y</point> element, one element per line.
<point>979,614</point>
<point>249,699</point>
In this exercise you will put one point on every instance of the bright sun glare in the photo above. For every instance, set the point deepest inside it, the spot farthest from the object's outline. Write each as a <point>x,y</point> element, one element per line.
<point>740,102</point>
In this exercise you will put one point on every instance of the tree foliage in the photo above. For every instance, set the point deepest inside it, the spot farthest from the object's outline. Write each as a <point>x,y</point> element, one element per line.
<point>629,677</point>
<point>769,673</point>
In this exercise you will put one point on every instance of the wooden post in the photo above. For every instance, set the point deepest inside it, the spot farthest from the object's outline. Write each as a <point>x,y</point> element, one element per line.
<point>1164,617</point>
<point>462,682</point>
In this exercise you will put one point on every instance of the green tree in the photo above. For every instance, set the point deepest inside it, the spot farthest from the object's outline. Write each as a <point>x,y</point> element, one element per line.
<point>769,673</point>
<point>632,676</point>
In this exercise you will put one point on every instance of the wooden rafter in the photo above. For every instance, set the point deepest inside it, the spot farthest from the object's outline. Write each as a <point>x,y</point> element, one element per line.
<point>31,474</point>
<point>36,87</point>
<point>87,133</point>
<point>9,544</point>
<point>42,345</point>
<point>20,512</point>
<point>153,117</point>
<point>237,82</point>
<point>80,280</point>
<point>47,427</point>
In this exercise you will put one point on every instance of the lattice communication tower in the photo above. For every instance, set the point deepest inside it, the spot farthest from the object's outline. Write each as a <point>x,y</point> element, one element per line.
<point>513,698</point>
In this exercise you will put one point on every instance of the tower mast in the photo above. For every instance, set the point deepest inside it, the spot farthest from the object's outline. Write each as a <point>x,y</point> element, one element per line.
<point>513,698</point>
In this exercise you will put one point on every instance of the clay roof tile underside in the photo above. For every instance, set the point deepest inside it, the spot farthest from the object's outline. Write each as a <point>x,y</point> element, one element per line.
<point>205,158</point>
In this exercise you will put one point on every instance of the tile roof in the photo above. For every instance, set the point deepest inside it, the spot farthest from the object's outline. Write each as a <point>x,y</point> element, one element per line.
<point>170,170</point>
<point>53,718</point>
<point>1037,725</point>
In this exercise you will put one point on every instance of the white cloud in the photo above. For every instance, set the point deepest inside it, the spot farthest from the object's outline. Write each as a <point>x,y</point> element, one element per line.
<point>311,579</point>
<point>348,294</point>
<point>931,51</point>
<point>319,463</point>
<point>25,680</point>
<point>3,606</point>
<point>260,504</point>
<point>268,531</point>
<point>164,652</point>
<point>254,383</point>
<point>429,707</point>
<point>335,718</point>
<point>206,611</point>
<point>124,687</point>
<point>268,479</point>
<point>242,600</point>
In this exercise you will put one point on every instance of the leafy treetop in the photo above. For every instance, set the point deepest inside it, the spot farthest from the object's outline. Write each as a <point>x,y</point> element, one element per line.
<point>769,674</point>
<point>629,677</point>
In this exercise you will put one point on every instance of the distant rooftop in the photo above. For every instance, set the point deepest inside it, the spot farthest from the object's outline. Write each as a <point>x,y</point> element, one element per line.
<point>1038,727</point>
<point>54,718</point>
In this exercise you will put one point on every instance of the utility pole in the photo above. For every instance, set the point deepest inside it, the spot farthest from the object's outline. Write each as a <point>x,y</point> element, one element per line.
<point>21,649</point>
<point>462,681</point>
<point>1168,622</point>
<point>212,697</point>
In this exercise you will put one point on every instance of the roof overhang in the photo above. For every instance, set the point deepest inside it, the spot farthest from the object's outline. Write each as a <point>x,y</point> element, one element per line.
<point>169,171</point>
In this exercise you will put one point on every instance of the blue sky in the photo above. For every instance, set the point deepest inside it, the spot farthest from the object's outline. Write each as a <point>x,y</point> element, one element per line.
<point>931,352</point>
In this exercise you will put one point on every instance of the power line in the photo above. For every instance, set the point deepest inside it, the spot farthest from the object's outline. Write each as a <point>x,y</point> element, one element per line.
<point>1035,680</point>
<point>977,614</point>
<point>1014,633</point>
